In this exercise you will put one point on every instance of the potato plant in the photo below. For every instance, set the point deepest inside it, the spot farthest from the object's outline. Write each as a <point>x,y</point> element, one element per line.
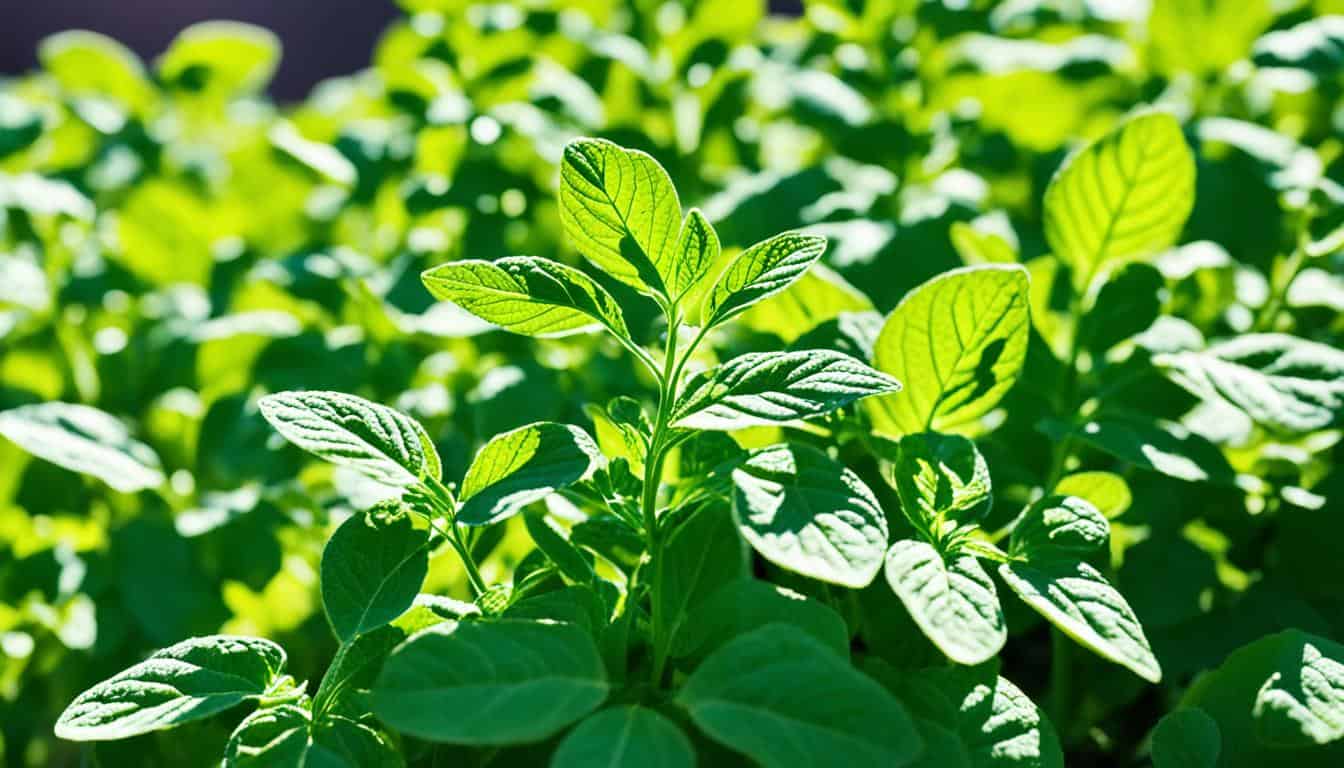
<point>909,384</point>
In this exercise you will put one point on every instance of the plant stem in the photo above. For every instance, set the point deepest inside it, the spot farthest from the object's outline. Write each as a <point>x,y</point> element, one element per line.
<point>1061,682</point>
<point>454,535</point>
<point>653,473</point>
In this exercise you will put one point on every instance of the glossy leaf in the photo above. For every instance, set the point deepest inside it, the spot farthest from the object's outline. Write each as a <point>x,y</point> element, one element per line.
<point>940,477</point>
<point>759,272</point>
<point>85,440</point>
<point>1059,526</point>
<point>523,466</point>
<point>952,599</point>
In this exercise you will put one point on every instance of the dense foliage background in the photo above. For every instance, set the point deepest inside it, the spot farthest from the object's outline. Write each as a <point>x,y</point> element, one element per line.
<point>173,246</point>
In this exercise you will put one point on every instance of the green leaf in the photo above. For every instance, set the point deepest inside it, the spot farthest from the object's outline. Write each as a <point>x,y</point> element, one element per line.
<point>1155,444</point>
<point>819,296</point>
<point>1282,382</point>
<point>558,549</point>
<point>221,59</point>
<point>697,250</point>
<point>805,512</point>
<point>1059,526</point>
<point>776,387</point>
<point>1186,738</point>
<point>971,717</point>
<point>957,343</point>
<point>1302,703</point>
<point>620,210</point>
<point>189,681</point>
<point>785,700</point>
<point>1108,492</point>
<point>527,295</point>
<point>88,64</point>
<point>701,555</point>
<point>1126,195</point>
<point>743,605</point>
<point>372,569</point>
<point>940,477</point>
<point>1077,599</point>
<point>85,440</point>
<point>380,442</point>
<point>759,272</point>
<point>952,599</point>
<point>625,737</point>
<point>286,737</point>
<point>490,683</point>
<point>522,466</point>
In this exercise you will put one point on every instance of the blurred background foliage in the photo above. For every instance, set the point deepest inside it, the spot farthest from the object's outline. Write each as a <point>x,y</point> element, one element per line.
<point>174,244</point>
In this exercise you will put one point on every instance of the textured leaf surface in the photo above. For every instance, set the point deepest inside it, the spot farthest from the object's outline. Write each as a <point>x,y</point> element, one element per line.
<point>1302,702</point>
<point>527,295</point>
<point>746,696</point>
<point>625,737</point>
<point>774,387</point>
<point>620,211</point>
<point>1158,445</point>
<point>957,343</point>
<point>1186,738</point>
<point>1282,382</point>
<point>953,600</point>
<point>188,681</point>
<point>940,477</point>
<point>85,440</point>
<point>383,443</point>
<point>1107,491</point>
<point>762,270</point>
<point>372,569</point>
<point>1126,195</point>
<point>522,466</point>
<point>286,737</point>
<point>697,250</point>
<point>803,511</point>
<point>490,683</point>
<point>1059,526</point>
<point>1077,599</point>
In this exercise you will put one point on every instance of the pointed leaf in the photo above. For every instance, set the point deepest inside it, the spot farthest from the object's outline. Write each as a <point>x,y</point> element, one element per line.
<point>1059,526</point>
<point>697,250</point>
<point>85,440</point>
<point>522,466</point>
<point>762,270</point>
<point>952,600</point>
<point>372,569</point>
<point>940,477</point>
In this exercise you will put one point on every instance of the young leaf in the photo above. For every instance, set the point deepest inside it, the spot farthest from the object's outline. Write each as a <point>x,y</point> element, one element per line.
<point>490,683</point>
<point>372,569</point>
<point>697,250</point>
<point>527,295</point>
<point>940,476</point>
<point>953,600</point>
<point>1284,383</point>
<point>380,442</point>
<point>803,511</point>
<point>1059,526</point>
<point>85,440</point>
<point>620,210</point>
<point>1077,599</point>
<point>286,737</point>
<point>775,387</point>
<point>189,681</point>
<point>1125,195</point>
<point>741,697</point>
<point>760,271</point>
<point>1186,738</point>
<point>522,466</point>
<point>625,737</point>
<point>957,343</point>
<point>1106,491</point>
<point>558,549</point>
<point>742,605</point>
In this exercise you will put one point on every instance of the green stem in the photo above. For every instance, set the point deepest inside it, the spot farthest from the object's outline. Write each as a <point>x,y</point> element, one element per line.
<point>1061,682</point>
<point>454,536</point>
<point>1284,273</point>
<point>653,473</point>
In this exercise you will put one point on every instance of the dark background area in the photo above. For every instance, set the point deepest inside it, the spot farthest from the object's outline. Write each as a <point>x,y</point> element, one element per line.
<point>322,38</point>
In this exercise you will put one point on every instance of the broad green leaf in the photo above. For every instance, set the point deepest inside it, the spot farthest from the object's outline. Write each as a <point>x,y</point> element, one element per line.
<point>372,569</point>
<point>558,549</point>
<point>357,664</point>
<point>380,442</point>
<point>957,343</point>
<point>1204,36</point>
<point>625,737</point>
<point>189,681</point>
<point>819,296</point>
<point>85,440</point>
<point>1077,599</point>
<point>952,600</point>
<point>286,737</point>
<point>620,211</point>
<point>528,295</point>
<point>1272,704</point>
<point>1107,491</point>
<point>1059,526</point>
<point>490,683</point>
<point>1126,195</point>
<point>976,245</point>
<point>775,387</point>
<point>759,272</point>
<point>803,511</point>
<point>1284,383</point>
<point>701,555</point>
<point>746,604</point>
<point>1186,738</point>
<point>1155,444</point>
<point>92,65</point>
<point>785,700</point>
<point>940,477</point>
<point>220,59</point>
<point>971,717</point>
<point>1127,304</point>
<point>522,466</point>
<point>697,250</point>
